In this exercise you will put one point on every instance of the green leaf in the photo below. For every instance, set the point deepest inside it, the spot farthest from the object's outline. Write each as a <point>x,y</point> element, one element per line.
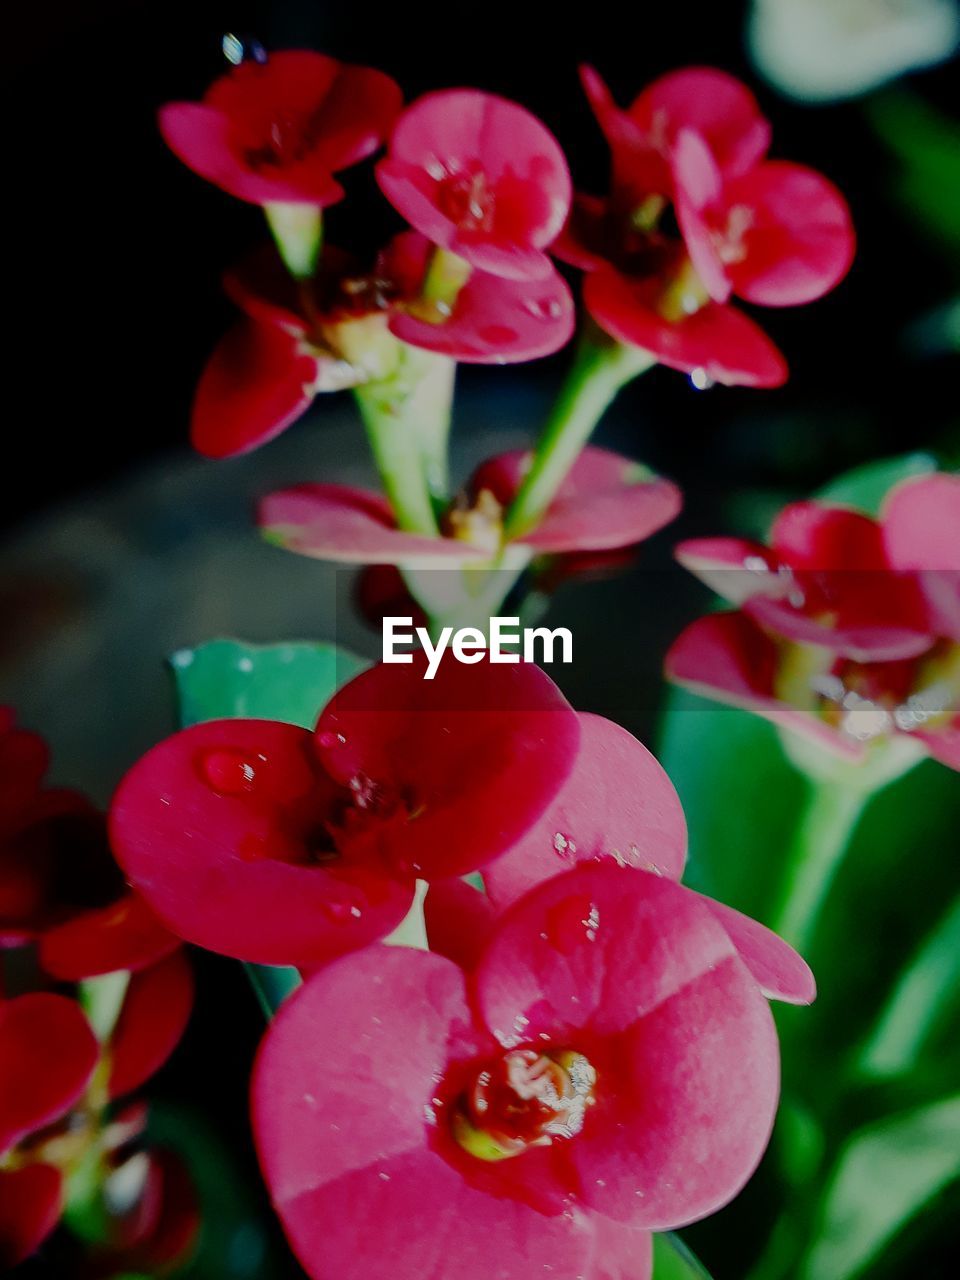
<point>672,1260</point>
<point>927,992</point>
<point>885,1175</point>
<point>290,682</point>
<point>866,486</point>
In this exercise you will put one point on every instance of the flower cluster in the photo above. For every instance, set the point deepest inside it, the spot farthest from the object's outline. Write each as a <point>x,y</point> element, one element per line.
<point>847,629</point>
<point>588,1053</point>
<point>67,1076</point>
<point>693,145</point>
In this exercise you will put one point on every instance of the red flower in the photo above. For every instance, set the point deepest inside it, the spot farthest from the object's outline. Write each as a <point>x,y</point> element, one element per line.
<point>298,339</point>
<point>403,778</point>
<point>606,501</point>
<point>47,1056</point>
<point>774,233</point>
<point>848,627</point>
<point>276,131</point>
<point>481,177</point>
<point>609,1067</point>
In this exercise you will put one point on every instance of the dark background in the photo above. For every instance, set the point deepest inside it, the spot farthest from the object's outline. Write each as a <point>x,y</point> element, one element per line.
<point>113,299</point>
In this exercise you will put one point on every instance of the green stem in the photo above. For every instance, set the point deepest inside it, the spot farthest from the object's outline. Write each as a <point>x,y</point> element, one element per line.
<point>272,984</point>
<point>600,368</point>
<point>832,812</point>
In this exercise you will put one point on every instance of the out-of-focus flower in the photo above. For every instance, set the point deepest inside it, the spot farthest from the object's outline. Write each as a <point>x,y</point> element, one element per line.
<point>47,1056</point>
<point>823,50</point>
<point>481,178</point>
<point>848,629</point>
<point>275,131</point>
<point>340,329</point>
<point>403,778</point>
<point>607,1067</point>
<point>776,234</point>
<point>607,501</point>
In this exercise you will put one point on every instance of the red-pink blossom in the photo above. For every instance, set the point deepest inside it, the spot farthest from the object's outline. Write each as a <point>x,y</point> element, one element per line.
<point>275,131</point>
<point>403,778</point>
<point>481,177</point>
<point>606,501</point>
<point>848,627</point>
<point>608,1067</point>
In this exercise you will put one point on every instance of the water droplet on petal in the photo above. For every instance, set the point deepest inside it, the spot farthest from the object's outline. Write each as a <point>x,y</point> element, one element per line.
<point>230,772</point>
<point>700,380</point>
<point>545,308</point>
<point>571,923</point>
<point>329,739</point>
<point>342,910</point>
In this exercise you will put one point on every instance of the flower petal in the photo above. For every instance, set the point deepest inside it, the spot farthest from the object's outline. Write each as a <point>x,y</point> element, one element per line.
<point>481,176</point>
<point>780,972</point>
<point>478,752</point>
<point>921,523</point>
<point>699,192</point>
<point>943,744</point>
<point>230,814</point>
<point>496,321</point>
<point>47,1055</point>
<point>257,382</point>
<point>459,920</point>
<point>31,1199</point>
<point>351,526</point>
<point>634,970</point>
<point>719,340</point>
<point>606,501</point>
<point>152,1021</point>
<point>124,935</point>
<point>729,658</point>
<point>617,804</point>
<point>734,568</point>
<point>800,241</point>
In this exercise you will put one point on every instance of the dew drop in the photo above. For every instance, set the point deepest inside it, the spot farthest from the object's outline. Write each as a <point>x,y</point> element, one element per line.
<point>229,772</point>
<point>700,380</point>
<point>341,910</point>
<point>571,923</point>
<point>545,308</point>
<point>329,739</point>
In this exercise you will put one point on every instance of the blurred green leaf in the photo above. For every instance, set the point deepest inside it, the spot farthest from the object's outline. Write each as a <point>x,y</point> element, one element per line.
<point>672,1260</point>
<point>885,1175</point>
<point>233,1243</point>
<point>927,992</point>
<point>866,486</point>
<point>290,682</point>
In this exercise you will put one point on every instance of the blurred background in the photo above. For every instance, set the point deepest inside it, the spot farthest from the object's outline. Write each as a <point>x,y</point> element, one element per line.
<point>119,546</point>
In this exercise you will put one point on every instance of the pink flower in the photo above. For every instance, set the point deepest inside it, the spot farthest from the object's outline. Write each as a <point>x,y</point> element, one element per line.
<point>608,1066</point>
<point>298,339</point>
<point>773,233</point>
<point>848,627</point>
<point>403,778</point>
<point>276,131</point>
<point>481,177</point>
<point>607,501</point>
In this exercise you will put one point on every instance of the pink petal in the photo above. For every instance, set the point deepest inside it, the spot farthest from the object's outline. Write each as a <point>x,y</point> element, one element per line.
<point>257,382</point>
<point>459,920</point>
<point>719,340</point>
<point>351,526</point>
<point>478,753</point>
<point>203,138</point>
<point>496,321</point>
<point>620,1252</point>
<point>861,639</point>
<point>606,501</point>
<point>810,535</point>
<point>124,935</point>
<point>442,141</point>
<point>345,1123</point>
<point>152,1021</point>
<point>943,743</point>
<point>617,804</point>
<point>734,568</point>
<point>800,242</point>
<point>633,969</point>
<point>47,1055</point>
<point>921,523</point>
<point>30,1204</point>
<point>230,814</point>
<point>779,971</point>
<point>699,191</point>
<point>728,658</point>
<point>584,240</point>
